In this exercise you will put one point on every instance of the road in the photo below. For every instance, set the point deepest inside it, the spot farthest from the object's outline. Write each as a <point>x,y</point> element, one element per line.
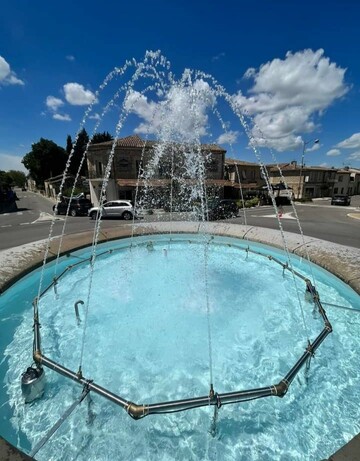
<point>321,220</point>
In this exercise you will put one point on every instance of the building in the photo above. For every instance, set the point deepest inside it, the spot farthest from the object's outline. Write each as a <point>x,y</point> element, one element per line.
<point>52,185</point>
<point>347,181</point>
<point>152,172</point>
<point>240,174</point>
<point>157,170</point>
<point>305,181</point>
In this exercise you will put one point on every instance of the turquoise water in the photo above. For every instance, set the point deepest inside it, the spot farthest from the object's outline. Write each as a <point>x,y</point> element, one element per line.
<point>147,340</point>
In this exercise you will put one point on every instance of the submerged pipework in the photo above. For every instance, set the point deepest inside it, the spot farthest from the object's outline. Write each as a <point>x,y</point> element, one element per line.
<point>33,380</point>
<point>76,306</point>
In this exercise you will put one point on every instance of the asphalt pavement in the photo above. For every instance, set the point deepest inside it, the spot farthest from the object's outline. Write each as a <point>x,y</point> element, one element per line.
<point>319,219</point>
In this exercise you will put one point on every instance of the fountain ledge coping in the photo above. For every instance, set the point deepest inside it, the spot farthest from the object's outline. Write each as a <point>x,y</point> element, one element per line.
<point>342,261</point>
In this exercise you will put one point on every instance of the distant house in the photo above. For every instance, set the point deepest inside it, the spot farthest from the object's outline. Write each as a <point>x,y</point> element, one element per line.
<point>52,185</point>
<point>347,181</point>
<point>305,181</point>
<point>240,174</point>
<point>159,169</point>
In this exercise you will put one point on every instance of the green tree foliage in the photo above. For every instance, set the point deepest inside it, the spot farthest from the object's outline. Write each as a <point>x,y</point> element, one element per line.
<point>45,160</point>
<point>5,179</point>
<point>18,178</point>
<point>68,144</point>
<point>78,154</point>
<point>101,137</point>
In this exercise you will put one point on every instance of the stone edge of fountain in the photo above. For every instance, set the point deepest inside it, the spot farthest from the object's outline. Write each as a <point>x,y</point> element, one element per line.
<point>340,260</point>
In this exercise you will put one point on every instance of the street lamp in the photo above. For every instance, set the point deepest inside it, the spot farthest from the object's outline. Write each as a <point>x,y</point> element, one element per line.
<point>305,143</point>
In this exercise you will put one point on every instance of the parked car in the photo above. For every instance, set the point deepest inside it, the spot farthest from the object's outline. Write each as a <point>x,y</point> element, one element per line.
<point>340,199</point>
<point>114,209</point>
<point>221,209</point>
<point>78,206</point>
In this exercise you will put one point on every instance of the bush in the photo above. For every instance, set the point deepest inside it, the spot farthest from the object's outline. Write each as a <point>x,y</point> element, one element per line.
<point>248,203</point>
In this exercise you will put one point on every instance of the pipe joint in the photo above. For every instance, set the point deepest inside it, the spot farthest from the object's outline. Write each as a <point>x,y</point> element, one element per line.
<point>137,411</point>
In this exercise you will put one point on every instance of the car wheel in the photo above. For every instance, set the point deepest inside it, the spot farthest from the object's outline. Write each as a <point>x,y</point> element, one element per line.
<point>127,215</point>
<point>73,213</point>
<point>93,215</point>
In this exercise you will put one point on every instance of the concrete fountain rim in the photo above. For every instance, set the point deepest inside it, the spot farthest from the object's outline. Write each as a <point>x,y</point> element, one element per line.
<point>340,260</point>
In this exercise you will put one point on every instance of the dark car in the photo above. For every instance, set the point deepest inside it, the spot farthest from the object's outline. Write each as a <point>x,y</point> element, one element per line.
<point>78,206</point>
<point>221,209</point>
<point>341,199</point>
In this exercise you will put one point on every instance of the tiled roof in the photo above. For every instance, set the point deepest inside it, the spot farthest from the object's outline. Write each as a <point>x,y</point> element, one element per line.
<point>166,182</point>
<point>232,161</point>
<point>294,166</point>
<point>135,141</point>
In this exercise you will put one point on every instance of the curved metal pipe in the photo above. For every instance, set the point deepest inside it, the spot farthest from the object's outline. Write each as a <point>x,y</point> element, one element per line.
<point>76,306</point>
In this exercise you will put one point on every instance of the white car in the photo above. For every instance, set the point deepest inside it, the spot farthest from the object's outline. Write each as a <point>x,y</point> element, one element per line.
<point>114,209</point>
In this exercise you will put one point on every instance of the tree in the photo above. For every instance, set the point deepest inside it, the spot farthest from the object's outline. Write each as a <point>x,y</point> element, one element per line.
<point>101,137</point>
<point>78,154</point>
<point>5,179</point>
<point>68,144</point>
<point>18,177</point>
<point>45,160</point>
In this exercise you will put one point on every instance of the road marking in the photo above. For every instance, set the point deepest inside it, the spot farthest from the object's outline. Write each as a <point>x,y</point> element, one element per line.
<point>283,216</point>
<point>24,223</point>
<point>7,225</point>
<point>46,217</point>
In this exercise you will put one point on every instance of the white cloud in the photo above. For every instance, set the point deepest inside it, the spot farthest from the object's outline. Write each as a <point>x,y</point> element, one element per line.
<point>350,143</point>
<point>7,76</point>
<point>76,95</point>
<point>62,118</point>
<point>70,57</point>
<point>355,156</point>
<point>333,153</point>
<point>229,137</point>
<point>288,95</point>
<point>95,116</point>
<point>180,114</point>
<point>218,56</point>
<point>11,162</point>
<point>54,103</point>
<point>251,72</point>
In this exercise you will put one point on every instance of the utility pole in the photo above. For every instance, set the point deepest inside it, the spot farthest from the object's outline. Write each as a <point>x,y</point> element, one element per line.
<point>305,143</point>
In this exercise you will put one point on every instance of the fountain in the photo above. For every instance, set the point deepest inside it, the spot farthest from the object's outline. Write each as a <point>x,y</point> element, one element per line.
<point>240,324</point>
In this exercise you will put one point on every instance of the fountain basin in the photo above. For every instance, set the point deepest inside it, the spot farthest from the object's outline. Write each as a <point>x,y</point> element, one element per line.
<point>205,448</point>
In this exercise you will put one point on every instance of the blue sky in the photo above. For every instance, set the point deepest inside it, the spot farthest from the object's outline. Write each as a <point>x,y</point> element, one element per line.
<point>294,67</point>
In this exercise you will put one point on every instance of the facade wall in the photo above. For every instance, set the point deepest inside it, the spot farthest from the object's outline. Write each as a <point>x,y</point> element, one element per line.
<point>244,173</point>
<point>130,163</point>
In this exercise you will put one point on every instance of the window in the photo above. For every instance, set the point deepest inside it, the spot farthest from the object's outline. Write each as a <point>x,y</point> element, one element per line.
<point>123,164</point>
<point>99,170</point>
<point>340,178</point>
<point>213,165</point>
<point>243,174</point>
